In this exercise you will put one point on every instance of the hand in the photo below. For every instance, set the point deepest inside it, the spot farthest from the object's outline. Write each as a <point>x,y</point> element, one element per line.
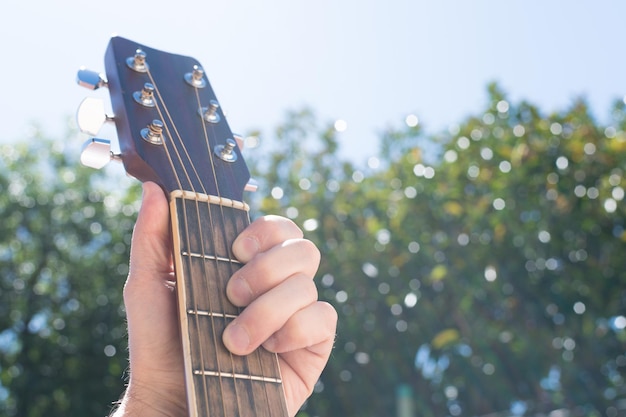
<point>279,266</point>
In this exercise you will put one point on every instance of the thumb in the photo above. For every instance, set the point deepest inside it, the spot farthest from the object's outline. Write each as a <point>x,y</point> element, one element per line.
<point>149,300</point>
<point>150,247</point>
<point>156,368</point>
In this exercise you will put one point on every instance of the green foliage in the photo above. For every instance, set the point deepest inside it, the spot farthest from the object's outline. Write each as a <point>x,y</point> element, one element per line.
<point>481,270</point>
<point>63,261</point>
<point>487,276</point>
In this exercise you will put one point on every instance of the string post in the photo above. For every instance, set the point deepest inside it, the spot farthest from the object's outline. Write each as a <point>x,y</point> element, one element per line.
<point>153,133</point>
<point>145,97</point>
<point>225,152</point>
<point>138,61</point>
<point>195,78</point>
<point>210,114</point>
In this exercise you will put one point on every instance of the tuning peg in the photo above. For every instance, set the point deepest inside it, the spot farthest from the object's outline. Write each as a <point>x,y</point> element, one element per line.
<point>252,185</point>
<point>240,141</point>
<point>209,114</point>
<point>91,115</point>
<point>90,79</point>
<point>96,153</point>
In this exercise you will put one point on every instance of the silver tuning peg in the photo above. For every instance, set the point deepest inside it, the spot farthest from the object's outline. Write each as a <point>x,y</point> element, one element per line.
<point>90,79</point>
<point>96,153</point>
<point>252,185</point>
<point>91,115</point>
<point>239,139</point>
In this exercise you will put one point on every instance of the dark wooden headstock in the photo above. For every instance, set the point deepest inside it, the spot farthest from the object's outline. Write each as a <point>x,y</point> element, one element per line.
<point>170,126</point>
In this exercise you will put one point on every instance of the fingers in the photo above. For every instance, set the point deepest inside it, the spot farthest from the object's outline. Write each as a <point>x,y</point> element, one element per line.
<point>274,285</point>
<point>307,328</point>
<point>263,234</point>
<point>301,363</point>
<point>269,313</point>
<point>270,267</point>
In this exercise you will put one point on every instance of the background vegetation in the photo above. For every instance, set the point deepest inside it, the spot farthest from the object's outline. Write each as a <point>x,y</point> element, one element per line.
<point>481,271</point>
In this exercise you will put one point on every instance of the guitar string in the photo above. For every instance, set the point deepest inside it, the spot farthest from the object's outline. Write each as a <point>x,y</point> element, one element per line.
<point>198,219</point>
<point>202,236</point>
<point>171,163</point>
<point>196,318</point>
<point>257,352</point>
<point>224,238</point>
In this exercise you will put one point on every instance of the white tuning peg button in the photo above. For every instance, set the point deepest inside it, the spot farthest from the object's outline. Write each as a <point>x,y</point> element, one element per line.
<point>91,116</point>
<point>90,79</point>
<point>96,153</point>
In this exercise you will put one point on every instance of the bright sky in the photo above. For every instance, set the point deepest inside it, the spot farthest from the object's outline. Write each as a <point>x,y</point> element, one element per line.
<point>370,63</point>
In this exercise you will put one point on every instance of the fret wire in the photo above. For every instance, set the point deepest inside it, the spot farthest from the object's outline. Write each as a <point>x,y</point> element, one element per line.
<point>261,378</point>
<point>212,314</point>
<point>210,257</point>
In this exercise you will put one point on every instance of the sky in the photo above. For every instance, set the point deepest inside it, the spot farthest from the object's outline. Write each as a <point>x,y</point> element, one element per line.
<point>368,63</point>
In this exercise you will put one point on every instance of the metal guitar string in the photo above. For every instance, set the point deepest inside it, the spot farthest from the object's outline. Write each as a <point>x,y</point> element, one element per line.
<point>228,248</point>
<point>175,135</point>
<point>185,220</point>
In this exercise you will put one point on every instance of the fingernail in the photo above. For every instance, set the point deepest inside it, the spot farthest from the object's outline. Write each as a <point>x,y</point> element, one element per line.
<point>236,339</point>
<point>246,249</point>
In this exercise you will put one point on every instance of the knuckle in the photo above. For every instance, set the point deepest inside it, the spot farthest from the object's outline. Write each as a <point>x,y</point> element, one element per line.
<point>288,228</point>
<point>308,253</point>
<point>330,315</point>
<point>306,286</point>
<point>312,249</point>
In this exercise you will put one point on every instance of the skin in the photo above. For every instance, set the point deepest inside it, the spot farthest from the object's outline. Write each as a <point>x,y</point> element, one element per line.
<point>279,267</point>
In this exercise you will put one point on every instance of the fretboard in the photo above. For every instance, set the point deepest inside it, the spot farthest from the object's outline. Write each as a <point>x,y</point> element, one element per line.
<point>219,384</point>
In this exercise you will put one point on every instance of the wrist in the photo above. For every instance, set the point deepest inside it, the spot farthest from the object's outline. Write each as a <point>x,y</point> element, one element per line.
<point>141,400</point>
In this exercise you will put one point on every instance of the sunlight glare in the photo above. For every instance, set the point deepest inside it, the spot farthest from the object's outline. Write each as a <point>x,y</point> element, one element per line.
<point>341,125</point>
<point>411,120</point>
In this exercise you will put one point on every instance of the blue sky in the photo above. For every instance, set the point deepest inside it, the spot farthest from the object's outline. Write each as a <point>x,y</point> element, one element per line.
<point>370,63</point>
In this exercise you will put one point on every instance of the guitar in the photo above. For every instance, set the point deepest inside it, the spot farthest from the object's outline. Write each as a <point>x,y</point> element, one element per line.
<point>172,131</point>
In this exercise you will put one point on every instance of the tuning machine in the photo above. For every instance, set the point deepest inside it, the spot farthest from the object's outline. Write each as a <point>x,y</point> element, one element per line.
<point>91,115</point>
<point>90,79</point>
<point>252,185</point>
<point>96,153</point>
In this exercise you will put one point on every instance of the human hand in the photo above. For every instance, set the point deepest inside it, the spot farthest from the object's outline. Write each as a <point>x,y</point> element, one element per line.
<point>278,270</point>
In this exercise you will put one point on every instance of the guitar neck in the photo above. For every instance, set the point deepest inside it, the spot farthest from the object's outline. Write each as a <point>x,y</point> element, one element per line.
<point>219,384</point>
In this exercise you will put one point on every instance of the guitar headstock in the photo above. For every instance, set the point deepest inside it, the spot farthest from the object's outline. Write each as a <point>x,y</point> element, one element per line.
<point>169,123</point>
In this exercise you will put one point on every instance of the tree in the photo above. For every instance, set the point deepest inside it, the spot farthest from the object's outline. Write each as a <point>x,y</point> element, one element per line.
<point>63,261</point>
<point>481,269</point>
<point>487,277</point>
